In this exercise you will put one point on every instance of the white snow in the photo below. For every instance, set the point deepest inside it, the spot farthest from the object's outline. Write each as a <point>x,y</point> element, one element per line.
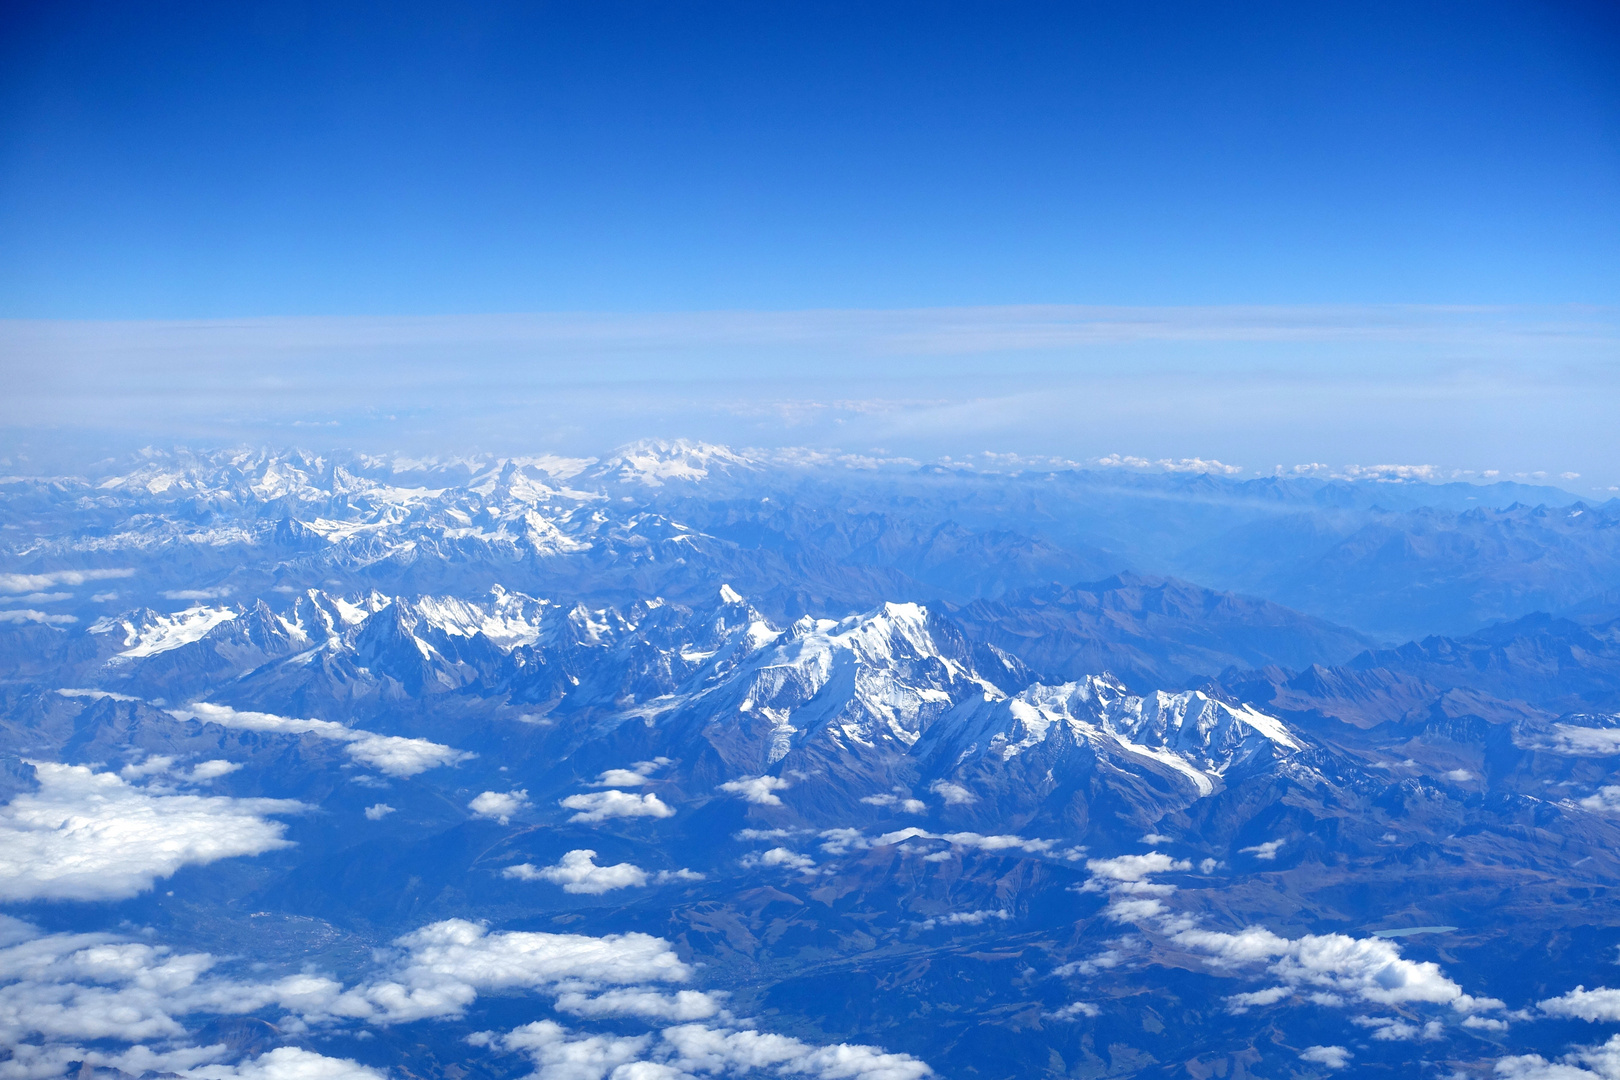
<point>164,632</point>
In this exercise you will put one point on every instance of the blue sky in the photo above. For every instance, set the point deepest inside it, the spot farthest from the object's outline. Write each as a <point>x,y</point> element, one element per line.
<point>205,159</point>
<point>1268,233</point>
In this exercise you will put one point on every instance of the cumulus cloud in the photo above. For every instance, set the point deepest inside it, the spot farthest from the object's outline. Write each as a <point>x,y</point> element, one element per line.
<point>843,841</point>
<point>1578,741</point>
<point>390,754</point>
<point>963,918</point>
<point>779,856</point>
<point>559,1056</point>
<point>378,811</point>
<point>1266,852</point>
<point>288,1063</point>
<point>64,988</point>
<point>1131,869</point>
<point>683,1005</point>
<point>22,583</point>
<point>1369,970</point>
<point>906,803</point>
<point>162,765</point>
<point>1109,958</point>
<point>30,615</point>
<point>499,805</point>
<point>602,805</point>
<point>1585,1063</point>
<point>1238,1004</point>
<point>1606,800</point>
<point>96,695</point>
<point>694,1049</point>
<point>1329,969</point>
<point>94,836</point>
<point>760,790</point>
<point>577,872</point>
<point>218,592</point>
<point>953,794</point>
<point>210,770</point>
<point>1334,1057</point>
<point>60,989</point>
<point>1073,1011</point>
<point>1393,1029</point>
<point>1583,1004</point>
<point>440,969</point>
<point>634,776</point>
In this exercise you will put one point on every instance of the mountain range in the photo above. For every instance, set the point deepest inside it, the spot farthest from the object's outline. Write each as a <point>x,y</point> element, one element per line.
<point>700,762</point>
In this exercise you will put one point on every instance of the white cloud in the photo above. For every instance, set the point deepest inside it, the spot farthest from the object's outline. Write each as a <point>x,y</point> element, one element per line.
<point>1238,1004</point>
<point>963,918</point>
<point>953,794</point>
<point>1576,740</point>
<point>1128,911</point>
<point>694,1049</point>
<point>1265,852</point>
<point>1607,800</point>
<point>288,1063</point>
<point>634,776</point>
<point>153,765</point>
<point>219,592</point>
<point>774,834</point>
<point>1459,776</point>
<point>998,843</point>
<point>1392,1029</point>
<point>210,770</point>
<point>843,841</point>
<point>760,790</point>
<point>1371,970</point>
<point>96,695</point>
<point>21,583</point>
<point>390,754</point>
<point>402,757</point>
<point>601,805</point>
<point>94,836</point>
<point>441,968</point>
<point>909,805</point>
<point>99,987</point>
<point>557,1056</point>
<point>163,765</point>
<point>62,988</point>
<point>29,615</point>
<point>779,856</point>
<point>577,872</point>
<point>499,805</point>
<point>681,1006</point>
<point>1484,1023</point>
<point>697,1048</point>
<point>1132,869</point>
<point>1601,1063</point>
<point>1334,1057</point>
<point>378,811</point>
<point>1109,958</point>
<point>1583,1004</point>
<point>1073,1011</point>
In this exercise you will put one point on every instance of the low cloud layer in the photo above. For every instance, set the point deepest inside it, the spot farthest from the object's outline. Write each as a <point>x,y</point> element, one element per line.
<point>759,790</point>
<point>577,872</point>
<point>94,836</point>
<point>599,806</point>
<point>393,755</point>
<point>60,991</point>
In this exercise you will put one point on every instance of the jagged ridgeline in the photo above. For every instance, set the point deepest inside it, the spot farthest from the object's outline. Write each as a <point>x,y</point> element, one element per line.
<point>699,762</point>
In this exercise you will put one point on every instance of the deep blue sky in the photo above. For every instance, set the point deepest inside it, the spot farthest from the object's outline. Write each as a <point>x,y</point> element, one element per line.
<point>222,159</point>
